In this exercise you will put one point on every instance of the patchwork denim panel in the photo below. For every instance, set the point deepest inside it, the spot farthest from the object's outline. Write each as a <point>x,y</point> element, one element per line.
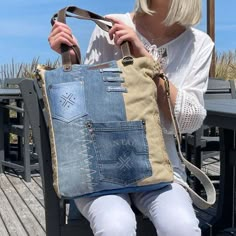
<point>94,155</point>
<point>122,151</point>
<point>75,164</point>
<point>102,105</point>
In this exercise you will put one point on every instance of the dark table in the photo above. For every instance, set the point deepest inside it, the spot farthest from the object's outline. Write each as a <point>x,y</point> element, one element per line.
<point>12,100</point>
<point>222,113</point>
<point>7,95</point>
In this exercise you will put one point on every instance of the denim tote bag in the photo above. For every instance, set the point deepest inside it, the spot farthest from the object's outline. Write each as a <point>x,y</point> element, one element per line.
<point>104,128</point>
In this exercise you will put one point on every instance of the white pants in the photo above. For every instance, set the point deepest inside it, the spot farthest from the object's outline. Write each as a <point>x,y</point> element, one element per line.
<point>170,209</point>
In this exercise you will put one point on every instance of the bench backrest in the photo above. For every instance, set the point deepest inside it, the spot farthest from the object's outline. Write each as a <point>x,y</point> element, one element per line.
<point>220,88</point>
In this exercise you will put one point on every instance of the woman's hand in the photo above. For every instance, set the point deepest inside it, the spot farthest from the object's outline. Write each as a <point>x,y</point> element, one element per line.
<point>121,32</point>
<point>61,34</point>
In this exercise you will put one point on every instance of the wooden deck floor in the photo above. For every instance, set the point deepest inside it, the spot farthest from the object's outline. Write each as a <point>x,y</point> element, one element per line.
<point>22,204</point>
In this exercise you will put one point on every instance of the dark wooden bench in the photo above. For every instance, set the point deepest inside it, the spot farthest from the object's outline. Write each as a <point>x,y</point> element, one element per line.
<point>19,156</point>
<point>220,88</point>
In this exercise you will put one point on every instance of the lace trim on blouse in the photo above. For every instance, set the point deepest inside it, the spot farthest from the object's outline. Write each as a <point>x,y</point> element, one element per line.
<point>158,53</point>
<point>189,113</point>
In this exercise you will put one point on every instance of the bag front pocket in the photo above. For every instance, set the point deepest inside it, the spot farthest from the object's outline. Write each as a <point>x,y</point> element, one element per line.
<point>122,151</point>
<point>67,100</point>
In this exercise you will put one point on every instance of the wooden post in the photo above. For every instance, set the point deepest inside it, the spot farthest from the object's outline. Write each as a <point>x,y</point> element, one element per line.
<point>211,31</point>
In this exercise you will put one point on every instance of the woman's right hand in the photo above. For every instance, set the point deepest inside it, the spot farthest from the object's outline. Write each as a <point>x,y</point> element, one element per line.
<point>120,33</point>
<point>61,34</point>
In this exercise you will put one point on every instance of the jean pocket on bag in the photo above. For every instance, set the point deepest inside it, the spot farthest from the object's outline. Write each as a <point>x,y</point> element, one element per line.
<point>67,100</point>
<point>122,151</point>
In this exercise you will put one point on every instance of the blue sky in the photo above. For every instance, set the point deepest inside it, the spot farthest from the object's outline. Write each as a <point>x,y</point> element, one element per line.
<point>25,25</point>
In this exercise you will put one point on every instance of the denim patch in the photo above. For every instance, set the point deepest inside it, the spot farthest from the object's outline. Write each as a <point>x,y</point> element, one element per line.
<point>76,162</point>
<point>122,151</point>
<point>67,100</point>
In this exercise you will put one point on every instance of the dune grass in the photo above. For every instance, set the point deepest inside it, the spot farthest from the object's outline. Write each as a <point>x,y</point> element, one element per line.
<point>23,70</point>
<point>225,67</point>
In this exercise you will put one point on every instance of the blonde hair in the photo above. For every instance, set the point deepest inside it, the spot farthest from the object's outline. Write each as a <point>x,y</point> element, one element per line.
<point>184,12</point>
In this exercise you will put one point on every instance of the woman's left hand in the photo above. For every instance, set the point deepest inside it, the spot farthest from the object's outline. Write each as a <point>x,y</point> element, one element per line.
<point>120,33</point>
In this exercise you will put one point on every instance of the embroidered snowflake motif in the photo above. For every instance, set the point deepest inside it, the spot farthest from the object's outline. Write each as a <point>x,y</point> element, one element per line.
<point>67,100</point>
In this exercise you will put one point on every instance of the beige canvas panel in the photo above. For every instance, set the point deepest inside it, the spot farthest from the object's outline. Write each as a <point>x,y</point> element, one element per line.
<point>141,104</point>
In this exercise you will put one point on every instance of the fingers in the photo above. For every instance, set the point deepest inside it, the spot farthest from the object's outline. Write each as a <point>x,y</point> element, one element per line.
<point>121,32</point>
<point>114,31</point>
<point>121,36</point>
<point>60,34</point>
<point>114,20</point>
<point>116,27</point>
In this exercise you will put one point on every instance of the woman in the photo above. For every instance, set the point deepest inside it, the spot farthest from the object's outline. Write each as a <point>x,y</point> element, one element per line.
<point>162,29</point>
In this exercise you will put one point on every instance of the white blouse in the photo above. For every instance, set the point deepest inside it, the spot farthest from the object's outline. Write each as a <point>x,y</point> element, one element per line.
<point>186,61</point>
